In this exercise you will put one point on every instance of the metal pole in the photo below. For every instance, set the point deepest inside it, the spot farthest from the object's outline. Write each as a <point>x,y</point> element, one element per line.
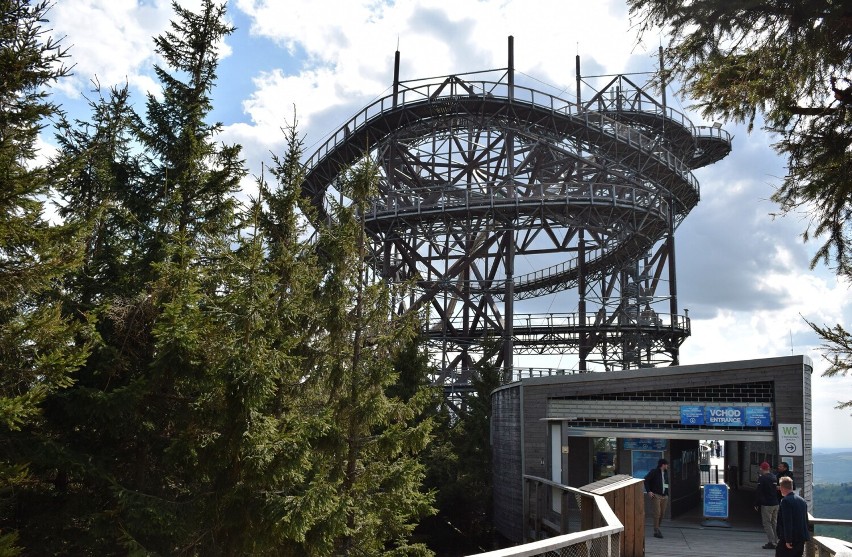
<point>577,73</point>
<point>670,245</point>
<point>395,78</point>
<point>581,287</point>
<point>662,80</point>
<point>511,67</point>
<point>509,305</point>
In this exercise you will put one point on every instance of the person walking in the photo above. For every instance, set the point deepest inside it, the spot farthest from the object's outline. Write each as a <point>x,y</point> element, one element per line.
<point>657,487</point>
<point>766,500</point>
<point>792,522</point>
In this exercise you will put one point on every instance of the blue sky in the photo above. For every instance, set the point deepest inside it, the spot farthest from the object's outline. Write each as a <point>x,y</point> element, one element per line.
<point>743,275</point>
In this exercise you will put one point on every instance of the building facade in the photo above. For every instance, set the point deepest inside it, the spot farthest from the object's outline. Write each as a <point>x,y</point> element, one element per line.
<point>576,429</point>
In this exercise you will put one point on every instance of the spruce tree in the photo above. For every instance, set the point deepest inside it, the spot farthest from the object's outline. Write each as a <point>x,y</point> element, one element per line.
<point>38,352</point>
<point>189,191</point>
<point>132,436</point>
<point>90,174</point>
<point>373,439</point>
<point>459,462</point>
<point>96,174</point>
<point>239,396</point>
<point>788,63</point>
<point>165,498</point>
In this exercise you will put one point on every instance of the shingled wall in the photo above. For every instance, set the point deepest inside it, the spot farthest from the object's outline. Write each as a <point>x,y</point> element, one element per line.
<point>637,400</point>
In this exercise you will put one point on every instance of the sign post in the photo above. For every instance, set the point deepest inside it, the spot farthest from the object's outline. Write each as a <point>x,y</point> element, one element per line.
<point>790,440</point>
<point>716,505</point>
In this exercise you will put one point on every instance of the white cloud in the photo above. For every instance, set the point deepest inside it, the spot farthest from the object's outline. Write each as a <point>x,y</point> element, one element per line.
<point>111,41</point>
<point>278,96</point>
<point>349,46</point>
<point>742,335</point>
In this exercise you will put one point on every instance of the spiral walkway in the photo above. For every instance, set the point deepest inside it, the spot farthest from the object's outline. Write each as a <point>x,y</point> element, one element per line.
<point>480,176</point>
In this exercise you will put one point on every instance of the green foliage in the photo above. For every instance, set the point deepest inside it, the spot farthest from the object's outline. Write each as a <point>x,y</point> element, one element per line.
<point>377,499</point>
<point>786,62</point>
<point>192,179</point>
<point>833,501</point>
<point>237,387</point>
<point>459,461</point>
<point>837,348</point>
<point>96,175</point>
<point>38,353</point>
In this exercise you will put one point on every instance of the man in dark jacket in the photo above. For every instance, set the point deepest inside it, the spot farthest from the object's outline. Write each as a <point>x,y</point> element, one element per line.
<point>783,470</point>
<point>657,487</point>
<point>792,522</point>
<point>766,500</point>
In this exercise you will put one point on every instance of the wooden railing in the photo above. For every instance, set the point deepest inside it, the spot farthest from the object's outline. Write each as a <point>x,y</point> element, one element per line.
<point>601,540</point>
<point>823,546</point>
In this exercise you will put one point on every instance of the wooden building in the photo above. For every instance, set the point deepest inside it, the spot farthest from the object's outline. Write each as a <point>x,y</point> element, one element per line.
<point>578,429</point>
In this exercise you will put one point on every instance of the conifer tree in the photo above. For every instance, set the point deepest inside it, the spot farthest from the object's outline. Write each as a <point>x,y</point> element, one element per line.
<point>188,192</point>
<point>96,174</point>
<point>166,497</point>
<point>459,461</point>
<point>787,62</point>
<point>374,439</point>
<point>238,397</point>
<point>131,436</point>
<point>91,174</point>
<point>37,350</point>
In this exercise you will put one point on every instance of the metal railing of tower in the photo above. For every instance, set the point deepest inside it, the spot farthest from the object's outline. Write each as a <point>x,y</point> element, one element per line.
<point>431,95</point>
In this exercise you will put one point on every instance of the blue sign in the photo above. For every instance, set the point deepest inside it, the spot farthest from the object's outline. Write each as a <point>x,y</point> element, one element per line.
<point>643,462</point>
<point>634,444</point>
<point>692,415</point>
<point>715,501</point>
<point>724,416</point>
<point>758,415</point>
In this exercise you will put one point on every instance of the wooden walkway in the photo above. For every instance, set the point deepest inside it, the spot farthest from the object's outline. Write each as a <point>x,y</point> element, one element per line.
<point>687,537</point>
<point>695,541</point>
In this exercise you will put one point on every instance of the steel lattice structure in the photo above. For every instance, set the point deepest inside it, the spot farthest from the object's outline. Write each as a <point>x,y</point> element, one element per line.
<point>478,175</point>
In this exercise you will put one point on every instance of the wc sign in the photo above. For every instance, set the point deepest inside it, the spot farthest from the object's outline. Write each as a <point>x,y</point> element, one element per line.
<point>790,440</point>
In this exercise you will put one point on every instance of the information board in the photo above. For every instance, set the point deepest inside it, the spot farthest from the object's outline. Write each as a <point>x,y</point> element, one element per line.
<point>729,416</point>
<point>643,462</point>
<point>634,444</point>
<point>726,416</point>
<point>692,415</point>
<point>715,501</point>
<point>758,416</point>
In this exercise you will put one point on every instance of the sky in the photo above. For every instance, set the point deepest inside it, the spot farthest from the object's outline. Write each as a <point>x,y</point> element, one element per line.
<point>743,272</point>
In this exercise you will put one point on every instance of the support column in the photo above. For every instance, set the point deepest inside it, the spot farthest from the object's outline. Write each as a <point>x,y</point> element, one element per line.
<point>670,247</point>
<point>581,288</point>
<point>579,83</point>
<point>509,304</point>
<point>395,78</point>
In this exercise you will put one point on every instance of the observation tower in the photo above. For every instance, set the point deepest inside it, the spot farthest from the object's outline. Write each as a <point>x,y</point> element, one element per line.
<point>496,199</point>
